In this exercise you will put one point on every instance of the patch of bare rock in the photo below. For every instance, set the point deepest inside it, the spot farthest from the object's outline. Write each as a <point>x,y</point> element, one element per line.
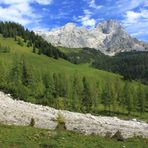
<point>14,112</point>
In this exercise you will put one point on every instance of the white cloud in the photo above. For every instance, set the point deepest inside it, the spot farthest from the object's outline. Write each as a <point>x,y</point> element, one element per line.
<point>88,22</point>
<point>21,11</point>
<point>132,17</point>
<point>86,19</point>
<point>44,2</point>
<point>136,23</point>
<point>18,13</point>
<point>92,4</point>
<point>40,28</point>
<point>12,2</point>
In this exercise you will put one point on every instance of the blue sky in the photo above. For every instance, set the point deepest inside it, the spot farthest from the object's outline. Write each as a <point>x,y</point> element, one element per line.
<point>47,14</point>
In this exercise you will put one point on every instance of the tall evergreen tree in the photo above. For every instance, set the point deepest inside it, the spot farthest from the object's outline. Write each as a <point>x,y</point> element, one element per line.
<point>25,73</point>
<point>141,99</point>
<point>49,90</point>
<point>86,96</point>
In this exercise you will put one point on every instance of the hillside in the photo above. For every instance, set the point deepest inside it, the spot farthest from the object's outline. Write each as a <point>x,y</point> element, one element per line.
<point>73,74</point>
<point>131,65</point>
<point>15,112</point>
<point>44,80</point>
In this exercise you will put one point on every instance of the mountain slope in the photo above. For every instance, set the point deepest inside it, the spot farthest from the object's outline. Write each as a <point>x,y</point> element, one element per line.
<point>14,136</point>
<point>132,65</point>
<point>42,79</point>
<point>109,37</point>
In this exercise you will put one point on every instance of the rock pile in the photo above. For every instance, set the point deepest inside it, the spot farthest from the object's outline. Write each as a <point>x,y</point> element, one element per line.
<point>14,112</point>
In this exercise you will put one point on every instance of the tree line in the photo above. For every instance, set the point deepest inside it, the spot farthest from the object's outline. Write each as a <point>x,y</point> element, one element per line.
<point>39,45</point>
<point>132,65</point>
<point>74,92</point>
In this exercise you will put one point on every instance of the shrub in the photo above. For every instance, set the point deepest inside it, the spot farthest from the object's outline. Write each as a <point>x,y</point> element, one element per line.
<point>4,49</point>
<point>32,122</point>
<point>118,136</point>
<point>61,121</point>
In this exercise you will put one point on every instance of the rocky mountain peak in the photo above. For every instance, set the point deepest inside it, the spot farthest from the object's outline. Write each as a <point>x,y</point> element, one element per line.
<point>109,26</point>
<point>109,37</point>
<point>69,26</point>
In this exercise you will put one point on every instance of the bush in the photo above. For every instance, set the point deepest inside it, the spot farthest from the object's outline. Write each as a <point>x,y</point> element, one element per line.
<point>118,136</point>
<point>61,121</point>
<point>20,41</point>
<point>4,49</point>
<point>32,122</point>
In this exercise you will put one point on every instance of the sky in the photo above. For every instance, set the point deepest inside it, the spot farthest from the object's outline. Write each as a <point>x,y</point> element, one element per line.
<point>45,15</point>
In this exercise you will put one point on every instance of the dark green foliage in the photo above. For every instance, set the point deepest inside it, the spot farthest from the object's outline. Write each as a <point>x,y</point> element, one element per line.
<point>141,100</point>
<point>86,55</point>
<point>34,49</point>
<point>25,74</point>
<point>132,65</point>
<point>32,122</point>
<point>29,44</point>
<point>61,122</point>
<point>86,96</point>
<point>20,41</point>
<point>49,93</point>
<point>118,136</point>
<point>68,87</point>
<point>106,97</point>
<point>74,93</point>
<point>22,35</point>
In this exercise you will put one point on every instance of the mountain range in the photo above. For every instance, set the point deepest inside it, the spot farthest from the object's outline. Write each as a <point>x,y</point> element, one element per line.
<point>109,37</point>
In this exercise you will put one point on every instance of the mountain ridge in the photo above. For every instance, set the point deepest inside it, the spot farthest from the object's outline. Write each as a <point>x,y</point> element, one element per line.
<point>109,37</point>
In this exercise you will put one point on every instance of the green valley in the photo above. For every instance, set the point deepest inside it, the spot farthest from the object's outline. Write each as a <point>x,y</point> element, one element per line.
<point>61,84</point>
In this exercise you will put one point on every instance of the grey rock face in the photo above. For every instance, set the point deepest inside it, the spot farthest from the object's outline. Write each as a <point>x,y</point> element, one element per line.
<point>14,112</point>
<point>109,37</point>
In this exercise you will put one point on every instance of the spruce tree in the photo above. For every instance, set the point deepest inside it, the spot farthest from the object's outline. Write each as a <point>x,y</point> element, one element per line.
<point>141,99</point>
<point>86,96</point>
<point>49,89</point>
<point>25,73</point>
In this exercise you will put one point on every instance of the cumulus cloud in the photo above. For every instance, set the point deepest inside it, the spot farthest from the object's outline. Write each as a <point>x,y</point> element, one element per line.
<point>20,11</point>
<point>92,4</point>
<point>133,17</point>
<point>136,22</point>
<point>12,2</point>
<point>86,19</point>
<point>88,22</point>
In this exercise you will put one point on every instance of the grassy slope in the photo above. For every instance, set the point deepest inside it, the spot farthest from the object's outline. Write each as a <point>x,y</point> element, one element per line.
<point>67,50</point>
<point>44,63</point>
<point>25,137</point>
<point>11,136</point>
<point>41,63</point>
